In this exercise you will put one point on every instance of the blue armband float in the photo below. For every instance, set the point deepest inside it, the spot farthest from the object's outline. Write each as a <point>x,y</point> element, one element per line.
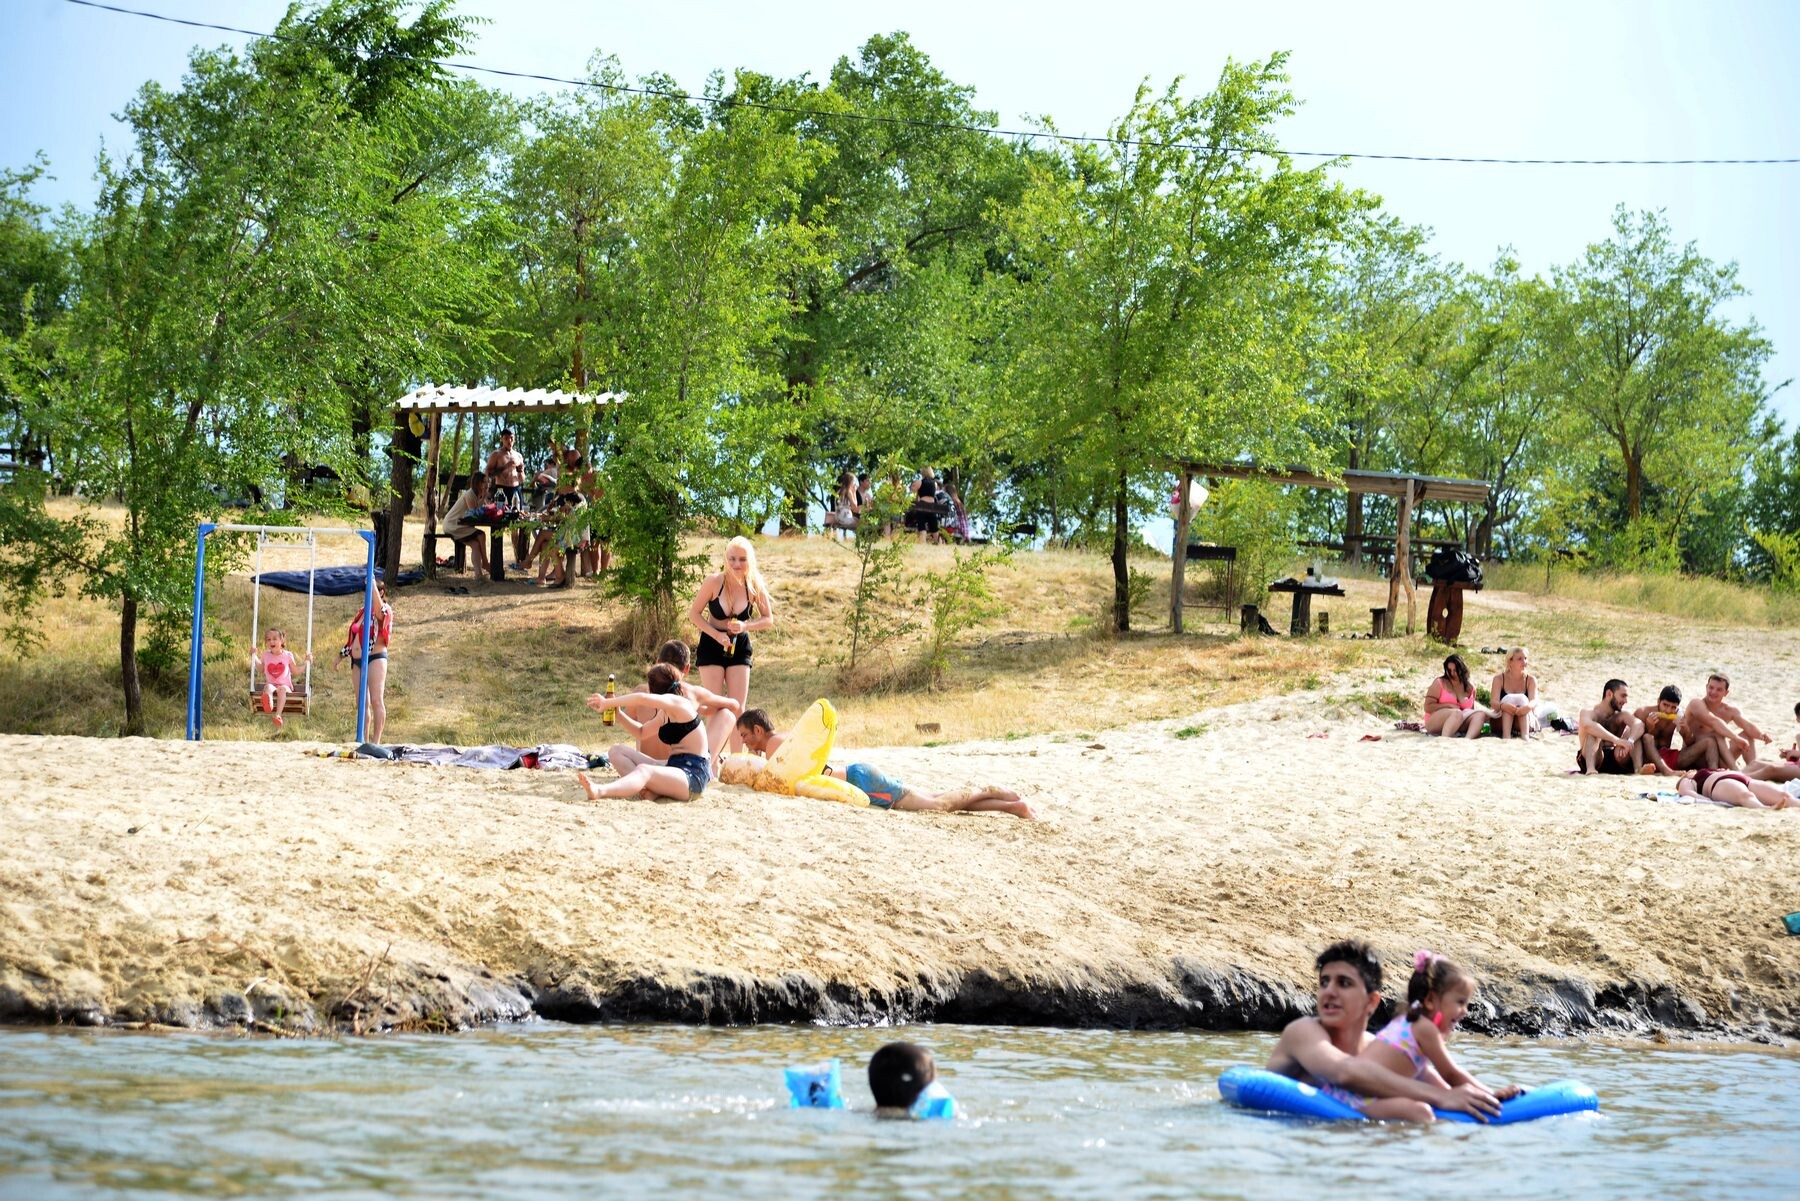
<point>818,1086</point>
<point>934,1102</point>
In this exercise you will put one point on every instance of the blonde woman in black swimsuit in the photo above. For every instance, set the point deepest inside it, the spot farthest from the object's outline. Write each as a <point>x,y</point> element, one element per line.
<point>729,605</point>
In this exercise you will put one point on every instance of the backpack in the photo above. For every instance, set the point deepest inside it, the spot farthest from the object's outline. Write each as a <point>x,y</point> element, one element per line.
<point>1453,564</point>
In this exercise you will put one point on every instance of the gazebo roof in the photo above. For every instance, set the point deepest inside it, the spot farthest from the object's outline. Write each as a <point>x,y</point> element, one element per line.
<point>1386,483</point>
<point>450,398</point>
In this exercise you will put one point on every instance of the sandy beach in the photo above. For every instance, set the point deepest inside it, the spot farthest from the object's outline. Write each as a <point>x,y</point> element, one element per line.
<point>1185,873</point>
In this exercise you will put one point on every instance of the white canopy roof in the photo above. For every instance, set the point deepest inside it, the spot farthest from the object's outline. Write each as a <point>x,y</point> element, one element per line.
<point>450,398</point>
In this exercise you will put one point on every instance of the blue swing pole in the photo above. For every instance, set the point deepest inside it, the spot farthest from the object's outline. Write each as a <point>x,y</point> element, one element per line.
<point>195,648</point>
<point>369,619</point>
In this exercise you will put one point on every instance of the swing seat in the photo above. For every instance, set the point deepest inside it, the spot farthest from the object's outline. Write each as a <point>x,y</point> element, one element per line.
<point>297,702</point>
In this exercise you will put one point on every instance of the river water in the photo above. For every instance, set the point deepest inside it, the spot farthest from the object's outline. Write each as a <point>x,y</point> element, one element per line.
<point>672,1111</point>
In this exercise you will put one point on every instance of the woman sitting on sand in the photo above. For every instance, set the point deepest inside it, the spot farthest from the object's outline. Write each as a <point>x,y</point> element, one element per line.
<point>670,759</point>
<point>1450,707</point>
<point>1514,695</point>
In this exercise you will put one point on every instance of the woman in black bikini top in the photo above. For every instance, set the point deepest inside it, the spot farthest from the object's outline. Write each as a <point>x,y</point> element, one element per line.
<point>725,650</point>
<point>684,770</point>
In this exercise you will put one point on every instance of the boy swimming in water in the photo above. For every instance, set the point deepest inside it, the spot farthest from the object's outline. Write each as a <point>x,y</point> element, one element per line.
<point>898,1073</point>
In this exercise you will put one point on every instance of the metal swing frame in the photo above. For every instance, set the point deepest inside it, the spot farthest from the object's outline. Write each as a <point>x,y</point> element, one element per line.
<point>196,647</point>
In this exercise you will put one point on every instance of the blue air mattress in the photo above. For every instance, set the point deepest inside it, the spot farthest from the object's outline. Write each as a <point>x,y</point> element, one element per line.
<point>1267,1092</point>
<point>332,581</point>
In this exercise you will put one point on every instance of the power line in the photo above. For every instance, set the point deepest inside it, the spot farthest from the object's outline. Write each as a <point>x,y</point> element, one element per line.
<point>1027,134</point>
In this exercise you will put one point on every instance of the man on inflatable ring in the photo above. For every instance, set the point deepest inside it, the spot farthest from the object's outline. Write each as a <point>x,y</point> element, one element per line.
<point>1324,1050</point>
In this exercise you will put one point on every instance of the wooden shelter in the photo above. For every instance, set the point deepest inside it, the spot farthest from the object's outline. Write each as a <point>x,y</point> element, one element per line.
<point>1409,490</point>
<point>419,423</point>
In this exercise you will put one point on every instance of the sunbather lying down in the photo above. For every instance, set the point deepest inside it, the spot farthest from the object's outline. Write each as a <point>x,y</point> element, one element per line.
<point>884,792</point>
<point>1735,788</point>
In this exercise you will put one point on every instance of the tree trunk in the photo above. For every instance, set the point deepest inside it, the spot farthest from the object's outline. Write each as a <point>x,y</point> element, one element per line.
<point>793,514</point>
<point>577,357</point>
<point>404,450</point>
<point>1634,487</point>
<point>128,667</point>
<point>1121,567</point>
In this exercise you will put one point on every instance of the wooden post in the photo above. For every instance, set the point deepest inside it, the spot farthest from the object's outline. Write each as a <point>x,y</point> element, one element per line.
<point>1181,532</point>
<point>436,438</point>
<point>1403,556</point>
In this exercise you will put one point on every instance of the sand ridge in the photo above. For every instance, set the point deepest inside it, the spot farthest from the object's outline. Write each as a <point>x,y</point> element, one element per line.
<point>188,883</point>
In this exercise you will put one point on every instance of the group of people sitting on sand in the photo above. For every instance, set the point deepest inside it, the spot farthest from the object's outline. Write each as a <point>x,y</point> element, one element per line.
<point>1708,743</point>
<point>681,730</point>
<point>1405,1070</point>
<point>1713,759</point>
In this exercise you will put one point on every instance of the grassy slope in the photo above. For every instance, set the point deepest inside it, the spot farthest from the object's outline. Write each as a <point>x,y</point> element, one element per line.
<point>510,663</point>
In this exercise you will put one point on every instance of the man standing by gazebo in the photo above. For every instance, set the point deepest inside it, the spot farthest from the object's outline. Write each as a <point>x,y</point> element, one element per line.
<point>506,483</point>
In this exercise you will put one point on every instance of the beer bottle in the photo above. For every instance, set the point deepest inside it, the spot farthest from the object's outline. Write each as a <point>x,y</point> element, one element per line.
<point>606,718</point>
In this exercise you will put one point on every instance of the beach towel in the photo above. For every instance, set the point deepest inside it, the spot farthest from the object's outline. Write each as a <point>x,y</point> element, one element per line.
<point>1676,798</point>
<point>550,756</point>
<point>332,581</point>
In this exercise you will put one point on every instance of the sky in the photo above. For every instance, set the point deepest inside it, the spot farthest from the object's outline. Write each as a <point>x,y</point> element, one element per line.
<point>1569,79</point>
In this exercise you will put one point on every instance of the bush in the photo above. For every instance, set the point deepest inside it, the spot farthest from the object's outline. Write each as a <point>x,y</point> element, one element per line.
<point>961,599</point>
<point>1257,518</point>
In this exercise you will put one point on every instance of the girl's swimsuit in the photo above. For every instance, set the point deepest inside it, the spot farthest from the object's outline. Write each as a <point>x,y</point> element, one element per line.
<point>1398,1034</point>
<point>711,654</point>
<point>1343,1096</point>
<point>278,669</point>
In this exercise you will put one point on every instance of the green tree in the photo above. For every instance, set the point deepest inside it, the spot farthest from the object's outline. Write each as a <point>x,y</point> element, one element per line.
<point>245,266</point>
<point>1647,355</point>
<point>1165,278</point>
<point>706,400</point>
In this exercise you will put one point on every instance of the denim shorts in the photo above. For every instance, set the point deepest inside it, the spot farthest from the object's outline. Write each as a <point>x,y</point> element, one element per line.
<point>697,770</point>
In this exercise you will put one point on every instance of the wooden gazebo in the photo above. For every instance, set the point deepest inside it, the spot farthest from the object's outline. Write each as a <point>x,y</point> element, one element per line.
<point>419,423</point>
<point>1408,489</point>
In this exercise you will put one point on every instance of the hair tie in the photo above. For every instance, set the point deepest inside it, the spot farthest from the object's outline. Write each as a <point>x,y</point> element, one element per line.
<point>1422,960</point>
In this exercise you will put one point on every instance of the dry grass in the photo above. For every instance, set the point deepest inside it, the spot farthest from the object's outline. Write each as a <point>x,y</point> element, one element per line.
<point>1717,602</point>
<point>510,663</point>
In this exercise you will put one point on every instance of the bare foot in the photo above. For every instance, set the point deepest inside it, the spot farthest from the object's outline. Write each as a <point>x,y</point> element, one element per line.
<point>997,793</point>
<point>1021,809</point>
<point>588,786</point>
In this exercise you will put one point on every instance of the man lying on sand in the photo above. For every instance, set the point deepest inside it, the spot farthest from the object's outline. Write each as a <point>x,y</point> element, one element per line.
<point>1735,788</point>
<point>885,792</point>
<point>1713,716</point>
<point>1610,736</point>
<point>1324,1050</point>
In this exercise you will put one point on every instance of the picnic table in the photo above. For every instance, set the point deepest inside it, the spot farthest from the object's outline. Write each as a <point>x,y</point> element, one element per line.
<point>496,528</point>
<point>1304,591</point>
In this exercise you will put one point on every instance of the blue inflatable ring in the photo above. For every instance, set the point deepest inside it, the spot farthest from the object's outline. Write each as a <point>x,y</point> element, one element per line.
<point>1267,1092</point>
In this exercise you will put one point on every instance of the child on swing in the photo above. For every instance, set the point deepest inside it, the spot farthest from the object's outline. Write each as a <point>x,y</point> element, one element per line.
<point>1413,1044</point>
<point>277,663</point>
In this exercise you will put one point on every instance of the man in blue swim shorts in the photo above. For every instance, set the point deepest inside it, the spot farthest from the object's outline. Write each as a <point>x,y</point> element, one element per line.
<point>885,792</point>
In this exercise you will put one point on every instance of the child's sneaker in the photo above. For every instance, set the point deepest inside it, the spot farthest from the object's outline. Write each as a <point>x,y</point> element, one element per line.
<point>267,700</point>
<point>277,721</point>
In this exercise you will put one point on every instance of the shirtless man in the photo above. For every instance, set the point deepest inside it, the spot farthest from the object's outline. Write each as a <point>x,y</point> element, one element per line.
<point>1611,738</point>
<point>884,792</point>
<point>1708,717</point>
<point>1658,741</point>
<point>1325,1050</point>
<point>506,482</point>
